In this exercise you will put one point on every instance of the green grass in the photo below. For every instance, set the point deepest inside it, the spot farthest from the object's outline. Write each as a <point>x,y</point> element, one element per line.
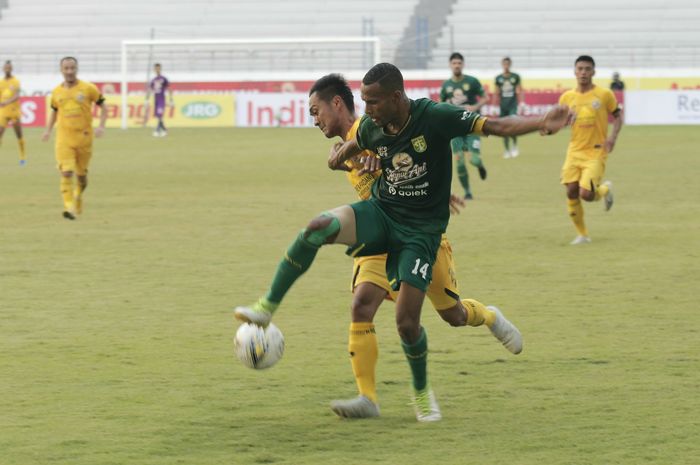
<point>116,330</point>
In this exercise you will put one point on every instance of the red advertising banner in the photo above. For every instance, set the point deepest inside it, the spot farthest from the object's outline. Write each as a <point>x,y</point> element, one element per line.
<point>33,111</point>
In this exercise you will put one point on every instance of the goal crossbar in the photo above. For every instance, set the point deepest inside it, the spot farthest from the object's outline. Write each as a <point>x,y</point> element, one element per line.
<point>125,44</point>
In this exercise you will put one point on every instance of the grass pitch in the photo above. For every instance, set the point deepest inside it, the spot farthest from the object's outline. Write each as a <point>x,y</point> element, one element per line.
<point>116,330</point>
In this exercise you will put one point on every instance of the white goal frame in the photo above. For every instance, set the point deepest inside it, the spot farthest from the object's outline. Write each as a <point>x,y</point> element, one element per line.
<point>375,41</point>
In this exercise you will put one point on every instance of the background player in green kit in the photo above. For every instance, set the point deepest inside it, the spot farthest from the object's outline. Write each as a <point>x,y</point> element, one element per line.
<point>509,96</point>
<point>409,208</point>
<point>466,92</point>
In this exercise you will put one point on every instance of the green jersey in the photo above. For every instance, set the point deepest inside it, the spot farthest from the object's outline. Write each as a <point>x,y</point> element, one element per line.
<point>506,86</point>
<point>414,188</point>
<point>463,92</point>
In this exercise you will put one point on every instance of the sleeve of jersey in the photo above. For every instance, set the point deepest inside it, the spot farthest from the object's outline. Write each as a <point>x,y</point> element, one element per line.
<point>362,133</point>
<point>453,121</point>
<point>54,107</point>
<point>562,99</point>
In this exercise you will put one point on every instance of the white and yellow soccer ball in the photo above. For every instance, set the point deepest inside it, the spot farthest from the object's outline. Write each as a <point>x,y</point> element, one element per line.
<point>257,347</point>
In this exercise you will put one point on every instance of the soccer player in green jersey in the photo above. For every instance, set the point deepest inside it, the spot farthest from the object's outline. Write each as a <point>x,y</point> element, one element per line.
<point>509,96</point>
<point>466,92</point>
<point>409,208</point>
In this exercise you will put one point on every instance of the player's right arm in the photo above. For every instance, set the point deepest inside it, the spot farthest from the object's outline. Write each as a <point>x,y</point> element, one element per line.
<point>52,120</point>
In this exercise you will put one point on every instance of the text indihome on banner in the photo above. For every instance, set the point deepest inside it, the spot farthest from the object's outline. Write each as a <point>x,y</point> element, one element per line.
<point>290,109</point>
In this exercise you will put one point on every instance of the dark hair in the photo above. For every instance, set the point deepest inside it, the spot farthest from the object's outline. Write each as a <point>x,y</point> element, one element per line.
<point>157,64</point>
<point>331,85</point>
<point>387,75</point>
<point>69,58</point>
<point>456,56</point>
<point>585,58</point>
<point>507,59</point>
<point>8,62</point>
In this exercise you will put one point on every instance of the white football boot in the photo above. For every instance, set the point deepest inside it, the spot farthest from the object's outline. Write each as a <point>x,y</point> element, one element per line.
<point>425,405</point>
<point>506,332</point>
<point>514,152</point>
<point>254,314</point>
<point>359,407</point>
<point>581,240</point>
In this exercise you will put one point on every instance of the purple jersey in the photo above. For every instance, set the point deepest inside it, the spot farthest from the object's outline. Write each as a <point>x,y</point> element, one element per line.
<point>159,84</point>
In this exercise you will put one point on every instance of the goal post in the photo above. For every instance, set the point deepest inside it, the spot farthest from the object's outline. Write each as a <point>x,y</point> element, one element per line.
<point>324,45</point>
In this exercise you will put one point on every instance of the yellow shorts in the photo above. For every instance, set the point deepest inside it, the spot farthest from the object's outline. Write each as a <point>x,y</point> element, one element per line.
<point>587,171</point>
<point>74,155</point>
<point>443,292</point>
<point>9,116</point>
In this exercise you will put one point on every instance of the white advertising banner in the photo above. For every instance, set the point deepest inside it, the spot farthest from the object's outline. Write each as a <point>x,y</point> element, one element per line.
<point>662,107</point>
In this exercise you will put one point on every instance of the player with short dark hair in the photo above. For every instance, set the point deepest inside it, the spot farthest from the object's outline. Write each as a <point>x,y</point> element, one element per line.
<point>590,144</point>
<point>466,92</point>
<point>408,211</point>
<point>159,85</point>
<point>509,92</point>
<point>332,107</point>
<point>71,103</point>
<point>10,111</point>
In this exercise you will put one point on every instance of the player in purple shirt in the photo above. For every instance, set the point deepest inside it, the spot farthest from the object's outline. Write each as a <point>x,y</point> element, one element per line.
<point>158,86</point>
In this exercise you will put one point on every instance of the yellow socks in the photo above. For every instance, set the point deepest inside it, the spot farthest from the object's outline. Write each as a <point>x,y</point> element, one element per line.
<point>363,348</point>
<point>602,191</point>
<point>22,153</point>
<point>477,313</point>
<point>576,214</point>
<point>67,192</point>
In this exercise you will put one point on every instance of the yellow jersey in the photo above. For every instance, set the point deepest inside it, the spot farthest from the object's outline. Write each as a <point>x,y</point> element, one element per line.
<point>74,107</point>
<point>361,183</point>
<point>9,88</point>
<point>590,128</point>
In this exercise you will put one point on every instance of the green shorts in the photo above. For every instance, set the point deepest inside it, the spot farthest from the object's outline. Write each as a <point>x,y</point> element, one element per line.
<point>410,252</point>
<point>468,143</point>
<point>509,110</point>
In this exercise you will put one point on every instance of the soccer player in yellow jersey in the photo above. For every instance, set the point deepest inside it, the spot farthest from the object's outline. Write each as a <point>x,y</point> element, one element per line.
<point>9,108</point>
<point>71,103</point>
<point>332,107</point>
<point>590,144</point>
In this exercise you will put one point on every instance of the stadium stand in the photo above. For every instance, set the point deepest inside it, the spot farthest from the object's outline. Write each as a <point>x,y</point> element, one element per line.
<point>36,32</point>
<point>623,33</point>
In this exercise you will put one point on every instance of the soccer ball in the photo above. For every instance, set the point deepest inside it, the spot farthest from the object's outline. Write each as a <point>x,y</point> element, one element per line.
<point>257,347</point>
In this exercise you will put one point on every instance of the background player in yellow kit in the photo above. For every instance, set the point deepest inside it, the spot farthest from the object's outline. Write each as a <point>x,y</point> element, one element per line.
<point>10,111</point>
<point>71,103</point>
<point>332,107</point>
<point>590,145</point>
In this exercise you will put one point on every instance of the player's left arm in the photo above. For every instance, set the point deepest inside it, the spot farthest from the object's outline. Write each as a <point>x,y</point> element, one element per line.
<point>342,152</point>
<point>555,119</point>
<point>12,99</point>
<point>100,102</point>
<point>617,127</point>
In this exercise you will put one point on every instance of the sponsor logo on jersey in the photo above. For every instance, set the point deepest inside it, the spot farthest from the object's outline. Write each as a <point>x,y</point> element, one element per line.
<point>383,151</point>
<point>80,97</point>
<point>404,171</point>
<point>419,144</point>
<point>595,104</point>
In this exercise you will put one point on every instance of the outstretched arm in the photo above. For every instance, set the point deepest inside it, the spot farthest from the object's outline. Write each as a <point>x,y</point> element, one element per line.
<point>550,123</point>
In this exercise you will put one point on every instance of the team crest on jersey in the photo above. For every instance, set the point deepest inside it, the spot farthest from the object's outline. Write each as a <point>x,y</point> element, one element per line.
<point>595,104</point>
<point>80,97</point>
<point>419,144</point>
<point>382,151</point>
<point>465,87</point>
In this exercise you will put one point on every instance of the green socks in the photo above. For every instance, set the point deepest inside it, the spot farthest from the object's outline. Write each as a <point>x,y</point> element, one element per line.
<point>296,261</point>
<point>417,356</point>
<point>463,175</point>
